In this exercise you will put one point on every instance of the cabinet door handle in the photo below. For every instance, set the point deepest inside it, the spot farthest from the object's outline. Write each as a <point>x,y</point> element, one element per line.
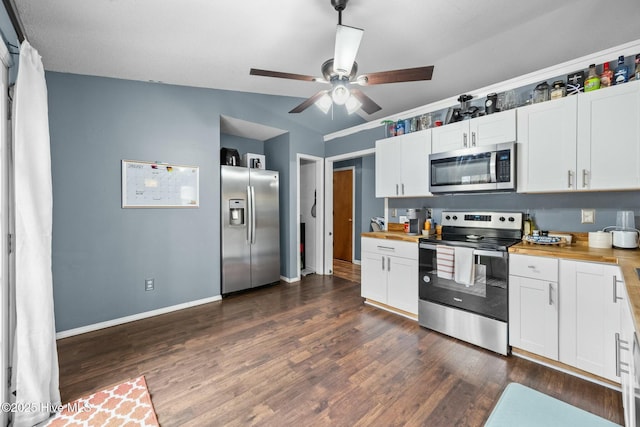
<point>396,189</point>
<point>550,294</point>
<point>473,139</point>
<point>615,290</point>
<point>585,176</point>
<point>570,175</point>
<point>403,188</point>
<point>382,263</point>
<point>620,363</point>
<point>388,264</point>
<point>464,139</point>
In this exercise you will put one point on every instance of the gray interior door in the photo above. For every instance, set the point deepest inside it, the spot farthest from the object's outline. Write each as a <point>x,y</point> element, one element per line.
<point>265,250</point>
<point>236,255</point>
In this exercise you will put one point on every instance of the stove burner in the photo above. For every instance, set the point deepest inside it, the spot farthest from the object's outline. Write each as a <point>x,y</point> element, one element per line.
<point>474,237</point>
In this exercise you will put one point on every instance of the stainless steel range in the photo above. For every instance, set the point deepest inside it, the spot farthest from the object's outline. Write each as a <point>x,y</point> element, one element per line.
<point>463,277</point>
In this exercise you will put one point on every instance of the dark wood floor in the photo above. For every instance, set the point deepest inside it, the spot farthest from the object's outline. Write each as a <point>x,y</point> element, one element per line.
<point>308,353</point>
<point>346,270</point>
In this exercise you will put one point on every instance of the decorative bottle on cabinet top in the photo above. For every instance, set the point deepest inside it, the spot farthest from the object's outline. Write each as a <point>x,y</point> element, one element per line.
<point>621,74</point>
<point>593,81</point>
<point>606,78</point>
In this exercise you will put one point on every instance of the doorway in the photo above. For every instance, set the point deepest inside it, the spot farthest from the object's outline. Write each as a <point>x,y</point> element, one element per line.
<point>343,215</point>
<point>328,198</point>
<point>310,214</point>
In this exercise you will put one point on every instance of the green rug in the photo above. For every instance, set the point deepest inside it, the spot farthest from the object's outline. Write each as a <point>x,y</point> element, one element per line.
<point>524,407</point>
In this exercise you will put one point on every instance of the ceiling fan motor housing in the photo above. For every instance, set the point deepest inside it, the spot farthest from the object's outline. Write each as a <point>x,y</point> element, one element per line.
<point>339,5</point>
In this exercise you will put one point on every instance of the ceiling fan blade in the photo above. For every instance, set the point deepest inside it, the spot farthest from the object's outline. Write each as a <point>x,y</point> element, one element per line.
<point>308,102</point>
<point>347,43</point>
<point>281,75</point>
<point>396,76</point>
<point>368,105</point>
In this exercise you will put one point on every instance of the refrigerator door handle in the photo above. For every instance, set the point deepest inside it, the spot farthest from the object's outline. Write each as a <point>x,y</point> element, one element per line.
<point>253,215</point>
<point>249,218</point>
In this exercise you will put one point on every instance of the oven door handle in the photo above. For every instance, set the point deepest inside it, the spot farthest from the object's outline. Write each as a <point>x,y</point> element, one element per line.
<point>490,254</point>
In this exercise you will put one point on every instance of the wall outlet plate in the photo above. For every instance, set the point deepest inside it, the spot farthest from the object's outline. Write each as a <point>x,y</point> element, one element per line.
<point>149,284</point>
<point>588,216</point>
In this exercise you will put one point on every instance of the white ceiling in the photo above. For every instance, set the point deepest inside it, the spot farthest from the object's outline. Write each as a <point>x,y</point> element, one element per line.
<point>213,44</point>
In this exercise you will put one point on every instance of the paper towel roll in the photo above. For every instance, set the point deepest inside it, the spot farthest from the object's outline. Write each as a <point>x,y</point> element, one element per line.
<point>599,239</point>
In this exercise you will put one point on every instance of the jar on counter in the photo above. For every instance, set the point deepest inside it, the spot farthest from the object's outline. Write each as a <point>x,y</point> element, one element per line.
<point>400,127</point>
<point>559,90</point>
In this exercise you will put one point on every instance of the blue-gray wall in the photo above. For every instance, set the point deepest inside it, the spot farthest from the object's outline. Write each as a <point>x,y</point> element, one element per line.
<point>243,145</point>
<point>101,252</point>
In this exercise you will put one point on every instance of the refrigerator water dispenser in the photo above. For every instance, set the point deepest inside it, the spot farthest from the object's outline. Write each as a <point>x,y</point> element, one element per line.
<point>236,211</point>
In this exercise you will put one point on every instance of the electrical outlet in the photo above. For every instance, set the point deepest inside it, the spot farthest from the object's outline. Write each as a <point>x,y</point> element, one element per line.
<point>149,284</point>
<point>394,212</point>
<point>588,216</point>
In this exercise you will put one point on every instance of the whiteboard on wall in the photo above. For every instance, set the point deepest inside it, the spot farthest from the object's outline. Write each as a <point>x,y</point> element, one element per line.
<point>159,185</point>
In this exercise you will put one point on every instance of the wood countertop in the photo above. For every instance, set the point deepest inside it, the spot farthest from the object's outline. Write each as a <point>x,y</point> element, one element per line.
<point>627,259</point>
<point>391,235</point>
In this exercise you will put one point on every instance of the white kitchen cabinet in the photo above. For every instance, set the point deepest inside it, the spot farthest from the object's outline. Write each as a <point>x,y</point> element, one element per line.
<point>533,304</point>
<point>590,301</point>
<point>609,138</point>
<point>490,129</point>
<point>402,165</point>
<point>389,273</point>
<point>546,149</point>
<point>625,362</point>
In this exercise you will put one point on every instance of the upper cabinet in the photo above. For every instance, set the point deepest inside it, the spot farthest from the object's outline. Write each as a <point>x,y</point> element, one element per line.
<point>586,142</point>
<point>546,147</point>
<point>609,138</point>
<point>402,165</point>
<point>490,129</point>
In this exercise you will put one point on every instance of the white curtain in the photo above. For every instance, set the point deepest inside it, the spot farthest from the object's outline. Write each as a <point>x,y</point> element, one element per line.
<point>35,358</point>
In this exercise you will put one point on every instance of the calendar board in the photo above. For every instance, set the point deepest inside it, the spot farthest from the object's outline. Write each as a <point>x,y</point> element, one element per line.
<point>159,185</point>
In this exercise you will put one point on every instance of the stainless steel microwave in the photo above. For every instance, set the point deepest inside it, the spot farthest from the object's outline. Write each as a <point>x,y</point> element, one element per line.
<point>486,168</point>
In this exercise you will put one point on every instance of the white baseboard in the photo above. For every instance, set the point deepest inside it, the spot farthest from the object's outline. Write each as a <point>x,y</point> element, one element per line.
<point>134,317</point>
<point>290,279</point>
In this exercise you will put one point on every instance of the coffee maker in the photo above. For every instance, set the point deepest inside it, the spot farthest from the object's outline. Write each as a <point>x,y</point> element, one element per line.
<point>416,218</point>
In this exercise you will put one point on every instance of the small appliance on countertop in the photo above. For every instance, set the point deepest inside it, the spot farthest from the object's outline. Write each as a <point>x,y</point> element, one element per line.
<point>624,234</point>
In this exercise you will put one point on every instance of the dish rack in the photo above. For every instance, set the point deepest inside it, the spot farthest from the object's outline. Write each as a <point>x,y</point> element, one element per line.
<point>545,240</point>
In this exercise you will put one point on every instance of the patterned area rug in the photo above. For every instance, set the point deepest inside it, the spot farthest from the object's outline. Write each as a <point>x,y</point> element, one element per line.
<point>127,404</point>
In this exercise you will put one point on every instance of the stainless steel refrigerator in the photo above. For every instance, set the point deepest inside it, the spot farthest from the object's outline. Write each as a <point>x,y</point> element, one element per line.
<point>250,228</point>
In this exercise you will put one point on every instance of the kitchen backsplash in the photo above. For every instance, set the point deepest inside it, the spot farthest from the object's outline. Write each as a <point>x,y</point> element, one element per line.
<point>559,212</point>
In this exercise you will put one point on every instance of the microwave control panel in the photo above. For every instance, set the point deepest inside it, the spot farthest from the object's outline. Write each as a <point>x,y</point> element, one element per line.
<point>503,166</point>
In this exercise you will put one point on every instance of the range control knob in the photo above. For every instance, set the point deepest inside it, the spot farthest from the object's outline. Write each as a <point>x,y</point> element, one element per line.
<point>511,219</point>
<point>447,217</point>
<point>455,218</point>
<point>502,219</point>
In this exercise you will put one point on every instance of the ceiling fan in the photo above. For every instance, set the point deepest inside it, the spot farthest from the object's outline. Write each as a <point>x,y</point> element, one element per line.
<point>341,70</point>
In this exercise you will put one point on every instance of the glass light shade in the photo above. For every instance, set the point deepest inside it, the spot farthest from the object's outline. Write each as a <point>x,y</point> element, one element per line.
<point>324,103</point>
<point>352,104</point>
<point>340,94</point>
<point>347,43</point>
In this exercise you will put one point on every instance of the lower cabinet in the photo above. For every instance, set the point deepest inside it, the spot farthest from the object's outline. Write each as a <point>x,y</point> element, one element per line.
<point>390,273</point>
<point>590,301</point>
<point>626,364</point>
<point>533,323</point>
<point>569,311</point>
<point>533,304</point>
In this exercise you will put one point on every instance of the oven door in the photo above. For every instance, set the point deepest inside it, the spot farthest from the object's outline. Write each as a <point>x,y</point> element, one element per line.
<point>487,296</point>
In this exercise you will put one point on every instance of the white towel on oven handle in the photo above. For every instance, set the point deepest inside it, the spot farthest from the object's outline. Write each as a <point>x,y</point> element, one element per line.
<point>445,261</point>
<point>464,266</point>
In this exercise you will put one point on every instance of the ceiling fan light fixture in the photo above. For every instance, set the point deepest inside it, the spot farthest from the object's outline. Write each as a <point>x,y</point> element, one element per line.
<point>324,103</point>
<point>347,43</point>
<point>340,94</point>
<point>352,105</point>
